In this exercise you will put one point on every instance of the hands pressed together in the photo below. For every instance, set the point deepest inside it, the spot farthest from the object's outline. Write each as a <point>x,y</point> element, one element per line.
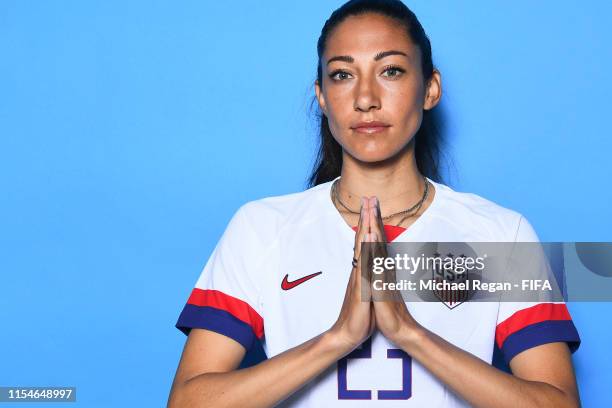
<point>361,315</point>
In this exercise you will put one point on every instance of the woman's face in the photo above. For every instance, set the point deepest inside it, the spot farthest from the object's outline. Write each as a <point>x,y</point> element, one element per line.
<point>371,71</point>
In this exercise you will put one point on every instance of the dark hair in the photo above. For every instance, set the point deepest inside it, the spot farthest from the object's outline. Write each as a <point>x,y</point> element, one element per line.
<point>328,162</point>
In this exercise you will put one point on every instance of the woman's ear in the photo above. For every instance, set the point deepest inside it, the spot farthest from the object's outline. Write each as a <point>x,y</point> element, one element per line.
<point>433,92</point>
<point>320,97</point>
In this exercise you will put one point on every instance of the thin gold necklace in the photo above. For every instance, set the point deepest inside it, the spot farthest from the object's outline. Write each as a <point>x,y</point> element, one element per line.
<point>409,211</point>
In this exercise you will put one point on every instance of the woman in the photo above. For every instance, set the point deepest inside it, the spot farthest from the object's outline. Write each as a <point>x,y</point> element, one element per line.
<point>279,273</point>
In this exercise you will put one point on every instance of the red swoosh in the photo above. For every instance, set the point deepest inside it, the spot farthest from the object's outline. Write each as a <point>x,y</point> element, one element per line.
<point>286,285</point>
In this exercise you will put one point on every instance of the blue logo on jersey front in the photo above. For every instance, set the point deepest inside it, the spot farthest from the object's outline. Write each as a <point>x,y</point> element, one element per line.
<point>365,351</point>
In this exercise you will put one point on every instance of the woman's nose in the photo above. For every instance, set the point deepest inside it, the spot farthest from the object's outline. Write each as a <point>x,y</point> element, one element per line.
<point>366,96</point>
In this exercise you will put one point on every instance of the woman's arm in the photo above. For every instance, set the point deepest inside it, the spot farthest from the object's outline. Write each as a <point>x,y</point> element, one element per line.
<point>543,375</point>
<point>207,375</point>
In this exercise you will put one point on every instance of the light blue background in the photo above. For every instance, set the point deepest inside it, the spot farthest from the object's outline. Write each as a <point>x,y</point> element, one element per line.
<point>132,131</point>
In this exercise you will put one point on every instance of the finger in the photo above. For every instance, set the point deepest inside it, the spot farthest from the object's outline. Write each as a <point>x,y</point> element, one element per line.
<point>372,237</point>
<point>358,232</point>
<point>376,221</point>
<point>372,216</point>
<point>365,278</point>
<point>362,228</point>
<point>377,248</point>
<point>366,221</point>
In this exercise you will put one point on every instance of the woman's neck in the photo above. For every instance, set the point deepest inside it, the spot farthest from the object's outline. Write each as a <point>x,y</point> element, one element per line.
<point>397,186</point>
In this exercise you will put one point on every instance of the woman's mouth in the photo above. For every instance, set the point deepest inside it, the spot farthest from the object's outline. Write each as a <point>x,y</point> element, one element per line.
<point>370,127</point>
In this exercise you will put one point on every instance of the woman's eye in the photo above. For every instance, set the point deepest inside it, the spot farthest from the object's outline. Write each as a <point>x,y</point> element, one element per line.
<point>395,72</point>
<point>339,75</point>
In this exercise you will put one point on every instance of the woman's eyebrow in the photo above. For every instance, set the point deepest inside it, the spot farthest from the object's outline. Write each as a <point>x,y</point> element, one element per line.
<point>380,55</point>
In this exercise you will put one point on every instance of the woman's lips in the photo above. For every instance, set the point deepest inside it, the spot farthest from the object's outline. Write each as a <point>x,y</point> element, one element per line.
<point>370,127</point>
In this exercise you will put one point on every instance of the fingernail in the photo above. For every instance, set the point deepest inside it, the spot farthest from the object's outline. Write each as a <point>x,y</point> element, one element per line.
<point>372,201</point>
<point>374,204</point>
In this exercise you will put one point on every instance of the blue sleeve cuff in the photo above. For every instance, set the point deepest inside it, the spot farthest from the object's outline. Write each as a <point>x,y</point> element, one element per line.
<point>217,320</point>
<point>549,331</point>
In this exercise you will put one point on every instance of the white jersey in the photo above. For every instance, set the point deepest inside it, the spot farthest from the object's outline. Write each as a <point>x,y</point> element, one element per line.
<point>279,272</point>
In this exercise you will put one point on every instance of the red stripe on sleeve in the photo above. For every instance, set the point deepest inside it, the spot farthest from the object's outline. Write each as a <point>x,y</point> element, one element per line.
<point>236,307</point>
<point>528,316</point>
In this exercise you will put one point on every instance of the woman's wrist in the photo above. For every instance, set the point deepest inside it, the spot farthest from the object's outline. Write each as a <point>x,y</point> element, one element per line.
<point>411,337</point>
<point>332,339</point>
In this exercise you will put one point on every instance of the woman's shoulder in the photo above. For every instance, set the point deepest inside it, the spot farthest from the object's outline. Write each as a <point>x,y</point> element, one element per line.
<point>273,212</point>
<point>474,202</point>
<point>481,212</point>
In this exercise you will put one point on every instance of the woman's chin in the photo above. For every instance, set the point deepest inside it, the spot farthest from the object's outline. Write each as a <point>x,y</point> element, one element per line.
<point>372,157</point>
<point>378,152</point>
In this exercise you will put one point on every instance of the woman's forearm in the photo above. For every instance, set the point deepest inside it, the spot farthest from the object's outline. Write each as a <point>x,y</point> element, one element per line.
<point>476,381</point>
<point>266,383</point>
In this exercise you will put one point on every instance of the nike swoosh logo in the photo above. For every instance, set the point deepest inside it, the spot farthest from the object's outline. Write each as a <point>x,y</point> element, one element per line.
<point>286,285</point>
